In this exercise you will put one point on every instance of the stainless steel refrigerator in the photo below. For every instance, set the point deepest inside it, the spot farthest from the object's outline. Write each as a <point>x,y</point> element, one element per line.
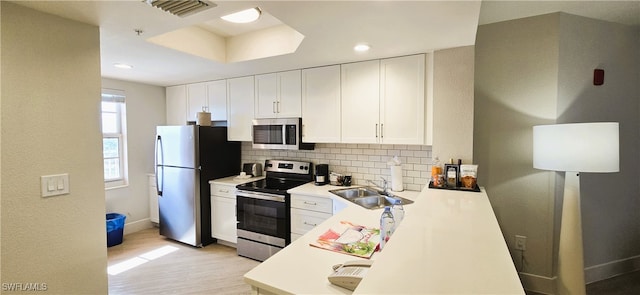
<point>187,157</point>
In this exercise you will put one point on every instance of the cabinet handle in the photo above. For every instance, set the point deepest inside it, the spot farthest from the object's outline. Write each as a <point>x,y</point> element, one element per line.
<point>376,130</point>
<point>223,190</point>
<point>310,203</point>
<point>381,130</point>
<point>278,106</point>
<point>273,107</point>
<point>312,224</point>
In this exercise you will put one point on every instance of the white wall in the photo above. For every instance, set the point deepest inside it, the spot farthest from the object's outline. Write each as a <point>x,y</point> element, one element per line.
<point>51,124</point>
<point>145,107</point>
<point>453,104</point>
<point>539,70</point>
<point>610,201</point>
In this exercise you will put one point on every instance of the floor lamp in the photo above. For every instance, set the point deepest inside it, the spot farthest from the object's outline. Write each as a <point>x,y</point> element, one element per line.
<point>574,148</point>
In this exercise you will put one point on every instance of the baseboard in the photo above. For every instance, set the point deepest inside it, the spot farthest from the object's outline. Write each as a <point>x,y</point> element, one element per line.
<point>611,269</point>
<point>137,226</point>
<point>538,284</point>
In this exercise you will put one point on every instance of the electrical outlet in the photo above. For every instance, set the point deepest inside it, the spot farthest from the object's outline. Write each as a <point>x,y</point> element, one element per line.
<point>521,243</point>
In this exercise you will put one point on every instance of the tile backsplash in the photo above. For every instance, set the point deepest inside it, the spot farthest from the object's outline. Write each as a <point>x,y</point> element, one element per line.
<point>362,161</point>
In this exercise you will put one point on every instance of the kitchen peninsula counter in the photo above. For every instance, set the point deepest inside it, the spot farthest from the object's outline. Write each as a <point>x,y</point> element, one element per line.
<point>448,243</point>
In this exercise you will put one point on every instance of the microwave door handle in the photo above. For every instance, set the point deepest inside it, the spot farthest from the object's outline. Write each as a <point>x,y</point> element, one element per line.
<point>284,134</point>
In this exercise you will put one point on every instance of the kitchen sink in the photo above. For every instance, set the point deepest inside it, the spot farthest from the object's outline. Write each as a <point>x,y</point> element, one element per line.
<point>368,197</point>
<point>358,192</point>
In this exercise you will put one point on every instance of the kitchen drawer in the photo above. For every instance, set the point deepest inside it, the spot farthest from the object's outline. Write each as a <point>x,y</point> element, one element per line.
<point>304,220</point>
<point>221,190</point>
<point>318,204</point>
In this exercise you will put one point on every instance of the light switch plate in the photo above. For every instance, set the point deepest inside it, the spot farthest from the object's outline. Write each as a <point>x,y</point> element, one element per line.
<point>54,185</point>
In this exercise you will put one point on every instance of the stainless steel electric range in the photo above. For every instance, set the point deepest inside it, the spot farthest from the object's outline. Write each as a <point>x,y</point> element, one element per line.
<point>263,206</point>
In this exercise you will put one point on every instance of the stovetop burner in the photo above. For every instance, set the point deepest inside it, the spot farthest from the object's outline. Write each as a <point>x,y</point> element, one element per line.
<point>280,176</point>
<point>272,185</point>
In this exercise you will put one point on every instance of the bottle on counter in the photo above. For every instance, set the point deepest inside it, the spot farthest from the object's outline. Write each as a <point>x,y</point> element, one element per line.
<point>387,226</point>
<point>436,173</point>
<point>452,176</point>
<point>398,213</point>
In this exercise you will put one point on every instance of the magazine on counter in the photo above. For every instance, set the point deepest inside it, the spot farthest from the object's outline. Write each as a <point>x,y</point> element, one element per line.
<point>349,238</point>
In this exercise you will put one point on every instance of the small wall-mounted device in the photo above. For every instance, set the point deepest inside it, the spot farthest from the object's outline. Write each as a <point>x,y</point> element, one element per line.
<point>349,274</point>
<point>598,77</point>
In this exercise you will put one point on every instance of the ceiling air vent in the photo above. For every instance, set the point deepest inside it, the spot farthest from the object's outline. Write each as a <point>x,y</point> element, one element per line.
<point>181,8</point>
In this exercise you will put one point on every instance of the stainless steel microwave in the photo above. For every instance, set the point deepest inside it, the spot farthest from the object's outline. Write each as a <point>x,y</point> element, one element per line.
<point>279,134</point>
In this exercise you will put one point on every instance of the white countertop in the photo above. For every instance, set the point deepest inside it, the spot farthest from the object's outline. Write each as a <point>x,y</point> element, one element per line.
<point>234,180</point>
<point>448,243</point>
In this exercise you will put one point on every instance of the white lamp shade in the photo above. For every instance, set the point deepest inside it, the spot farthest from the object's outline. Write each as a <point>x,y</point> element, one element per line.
<point>582,147</point>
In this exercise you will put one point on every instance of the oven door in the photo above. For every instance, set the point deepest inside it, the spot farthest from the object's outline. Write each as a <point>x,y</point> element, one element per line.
<point>264,214</point>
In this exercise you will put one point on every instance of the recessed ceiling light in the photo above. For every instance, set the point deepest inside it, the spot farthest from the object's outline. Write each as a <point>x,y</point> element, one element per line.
<point>244,16</point>
<point>122,66</point>
<point>361,47</point>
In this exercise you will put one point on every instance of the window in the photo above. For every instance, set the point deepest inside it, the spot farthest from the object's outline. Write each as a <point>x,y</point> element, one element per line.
<point>114,138</point>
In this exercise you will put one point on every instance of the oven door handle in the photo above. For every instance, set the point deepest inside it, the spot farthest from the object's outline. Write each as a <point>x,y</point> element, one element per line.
<point>261,196</point>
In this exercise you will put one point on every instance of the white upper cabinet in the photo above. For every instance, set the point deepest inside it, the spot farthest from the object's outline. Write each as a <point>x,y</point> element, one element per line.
<point>210,96</point>
<point>360,102</point>
<point>402,99</point>
<point>176,103</point>
<point>278,95</point>
<point>217,100</point>
<point>196,100</point>
<point>383,101</point>
<point>321,104</point>
<point>240,104</point>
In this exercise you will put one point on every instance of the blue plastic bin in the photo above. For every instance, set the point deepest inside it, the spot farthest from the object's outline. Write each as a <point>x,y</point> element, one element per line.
<point>115,228</point>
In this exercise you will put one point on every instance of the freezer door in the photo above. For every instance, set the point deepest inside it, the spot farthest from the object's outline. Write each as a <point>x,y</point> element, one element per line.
<point>180,205</point>
<point>176,146</point>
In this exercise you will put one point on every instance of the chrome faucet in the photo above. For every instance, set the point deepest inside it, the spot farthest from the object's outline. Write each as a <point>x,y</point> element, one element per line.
<point>384,186</point>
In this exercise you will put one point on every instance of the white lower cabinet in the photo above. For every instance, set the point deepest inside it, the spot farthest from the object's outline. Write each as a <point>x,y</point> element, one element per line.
<point>307,212</point>
<point>223,212</point>
<point>154,213</point>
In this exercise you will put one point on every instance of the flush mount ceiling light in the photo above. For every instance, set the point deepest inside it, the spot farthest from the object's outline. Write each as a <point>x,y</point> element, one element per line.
<point>361,47</point>
<point>123,66</point>
<point>244,16</point>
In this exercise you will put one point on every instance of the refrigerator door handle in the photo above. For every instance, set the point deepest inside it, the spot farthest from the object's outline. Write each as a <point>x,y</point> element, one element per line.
<point>159,184</point>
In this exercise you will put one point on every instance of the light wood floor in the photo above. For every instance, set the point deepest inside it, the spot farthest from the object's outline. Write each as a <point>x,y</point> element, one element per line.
<point>214,269</point>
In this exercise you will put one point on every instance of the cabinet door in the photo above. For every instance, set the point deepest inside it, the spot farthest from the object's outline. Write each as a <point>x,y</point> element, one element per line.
<point>223,219</point>
<point>278,95</point>
<point>196,100</point>
<point>266,96</point>
<point>402,99</point>
<point>217,100</point>
<point>289,94</point>
<point>360,102</point>
<point>240,95</point>
<point>176,102</point>
<point>321,104</point>
<point>303,221</point>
